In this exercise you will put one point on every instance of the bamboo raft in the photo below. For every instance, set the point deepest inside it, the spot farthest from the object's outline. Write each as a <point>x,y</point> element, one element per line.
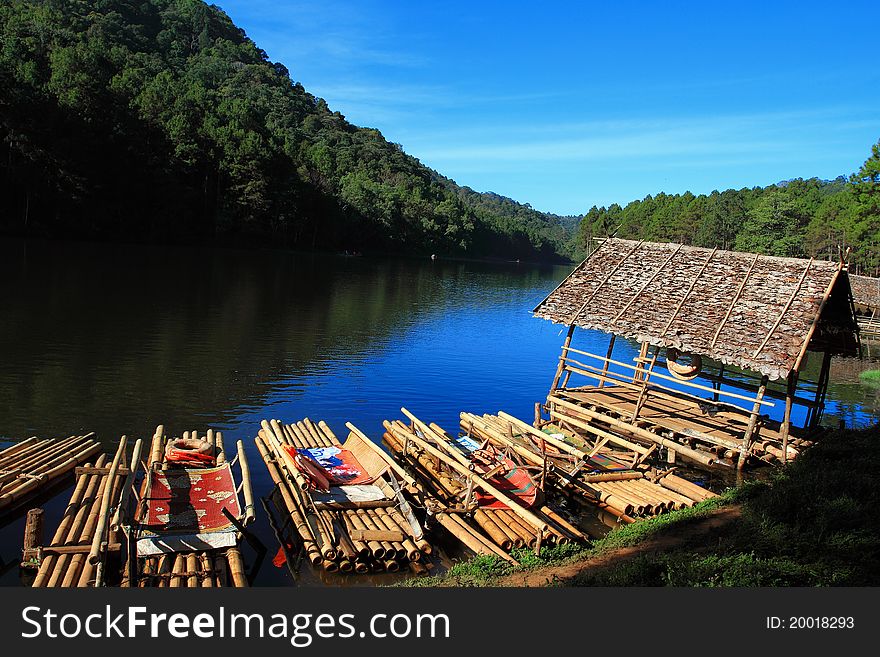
<point>607,476</point>
<point>448,482</point>
<point>334,531</point>
<point>178,564</point>
<point>84,546</point>
<point>31,466</point>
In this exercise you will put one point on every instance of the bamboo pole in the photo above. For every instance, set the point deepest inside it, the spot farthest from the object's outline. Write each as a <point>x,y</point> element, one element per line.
<point>537,433</point>
<point>16,495</point>
<point>753,423</point>
<point>221,451</point>
<point>80,493</point>
<point>685,487</point>
<point>122,507</point>
<point>466,535</point>
<point>236,567</point>
<point>658,375</point>
<point>157,448</point>
<point>402,474</point>
<point>57,567</point>
<point>95,553</point>
<point>294,509</point>
<point>562,522</point>
<point>192,569</point>
<point>526,515</point>
<point>561,366</point>
<point>249,509</point>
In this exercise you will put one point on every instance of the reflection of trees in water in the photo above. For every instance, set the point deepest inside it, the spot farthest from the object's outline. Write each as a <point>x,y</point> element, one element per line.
<point>116,338</point>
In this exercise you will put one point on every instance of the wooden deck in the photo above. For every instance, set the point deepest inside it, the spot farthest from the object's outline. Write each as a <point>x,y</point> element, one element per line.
<point>715,427</point>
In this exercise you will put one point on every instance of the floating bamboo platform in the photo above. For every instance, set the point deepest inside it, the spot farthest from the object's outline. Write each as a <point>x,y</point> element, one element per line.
<point>335,531</point>
<point>31,466</point>
<point>175,565</point>
<point>605,476</point>
<point>84,548</point>
<point>449,481</point>
<point>698,431</point>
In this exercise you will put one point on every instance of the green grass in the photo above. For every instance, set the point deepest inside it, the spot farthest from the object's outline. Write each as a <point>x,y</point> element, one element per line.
<point>816,522</point>
<point>484,570</point>
<point>871,377</point>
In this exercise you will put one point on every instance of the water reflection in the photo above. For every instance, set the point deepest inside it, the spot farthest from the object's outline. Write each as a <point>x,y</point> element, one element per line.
<point>116,339</point>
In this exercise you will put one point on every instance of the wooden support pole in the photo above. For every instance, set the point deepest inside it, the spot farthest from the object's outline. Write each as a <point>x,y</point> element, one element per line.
<point>562,357</point>
<point>786,421</point>
<point>821,390</point>
<point>753,423</point>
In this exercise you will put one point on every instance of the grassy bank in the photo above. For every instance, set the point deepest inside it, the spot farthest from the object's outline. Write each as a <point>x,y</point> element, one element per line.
<point>815,523</point>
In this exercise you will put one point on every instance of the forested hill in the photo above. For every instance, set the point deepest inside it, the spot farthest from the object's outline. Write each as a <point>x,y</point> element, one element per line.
<point>799,218</point>
<point>160,120</point>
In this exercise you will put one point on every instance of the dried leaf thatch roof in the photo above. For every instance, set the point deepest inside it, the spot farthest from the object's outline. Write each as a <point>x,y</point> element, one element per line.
<point>866,291</point>
<point>754,312</point>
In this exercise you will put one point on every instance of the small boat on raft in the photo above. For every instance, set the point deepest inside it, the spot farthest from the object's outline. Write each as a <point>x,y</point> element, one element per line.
<point>487,497</point>
<point>345,500</point>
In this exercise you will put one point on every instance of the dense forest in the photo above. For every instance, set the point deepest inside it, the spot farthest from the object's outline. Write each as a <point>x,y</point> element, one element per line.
<point>159,120</point>
<point>798,218</point>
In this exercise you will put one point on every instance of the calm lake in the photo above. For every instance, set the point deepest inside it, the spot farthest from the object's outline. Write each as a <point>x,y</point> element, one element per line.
<point>117,339</point>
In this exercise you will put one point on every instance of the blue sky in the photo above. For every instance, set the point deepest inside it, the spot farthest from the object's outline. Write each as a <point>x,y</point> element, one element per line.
<point>564,105</point>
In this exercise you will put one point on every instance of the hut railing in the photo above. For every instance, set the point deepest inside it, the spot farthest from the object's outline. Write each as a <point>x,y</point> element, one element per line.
<point>605,374</point>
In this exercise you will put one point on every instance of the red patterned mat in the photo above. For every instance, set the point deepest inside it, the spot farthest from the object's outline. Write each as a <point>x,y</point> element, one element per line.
<point>190,501</point>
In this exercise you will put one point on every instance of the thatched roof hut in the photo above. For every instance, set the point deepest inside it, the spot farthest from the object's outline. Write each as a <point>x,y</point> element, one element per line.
<point>866,292</point>
<point>760,313</point>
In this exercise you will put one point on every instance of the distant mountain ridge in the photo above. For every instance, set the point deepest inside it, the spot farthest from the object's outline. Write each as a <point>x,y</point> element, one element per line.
<point>160,120</point>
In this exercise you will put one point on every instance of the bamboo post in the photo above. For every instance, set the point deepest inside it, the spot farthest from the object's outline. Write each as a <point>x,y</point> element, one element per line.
<point>33,537</point>
<point>236,567</point>
<point>610,351</point>
<point>561,366</point>
<point>249,513</point>
<point>753,422</point>
<point>645,377</point>
<point>786,422</point>
<point>156,447</point>
<point>221,452</point>
<point>821,389</point>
